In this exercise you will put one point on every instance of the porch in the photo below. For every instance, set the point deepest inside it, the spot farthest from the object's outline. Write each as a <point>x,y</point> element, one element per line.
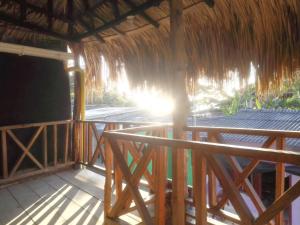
<point>138,154</point>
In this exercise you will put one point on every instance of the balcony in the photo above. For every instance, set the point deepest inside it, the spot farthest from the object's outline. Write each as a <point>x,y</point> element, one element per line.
<point>142,185</point>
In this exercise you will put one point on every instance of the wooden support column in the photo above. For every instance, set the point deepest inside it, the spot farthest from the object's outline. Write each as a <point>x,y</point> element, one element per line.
<point>79,104</point>
<point>178,71</point>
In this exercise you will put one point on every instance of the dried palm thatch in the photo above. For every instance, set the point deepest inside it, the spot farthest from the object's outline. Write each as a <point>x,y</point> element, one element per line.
<point>219,39</point>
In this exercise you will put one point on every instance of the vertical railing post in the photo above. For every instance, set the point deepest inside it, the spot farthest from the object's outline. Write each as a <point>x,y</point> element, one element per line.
<point>118,172</point>
<point>90,142</point>
<point>160,184</point>
<point>67,130</point>
<point>45,147</point>
<point>280,175</point>
<point>212,182</point>
<point>55,144</point>
<point>108,175</point>
<point>199,183</point>
<point>199,188</point>
<point>4,154</point>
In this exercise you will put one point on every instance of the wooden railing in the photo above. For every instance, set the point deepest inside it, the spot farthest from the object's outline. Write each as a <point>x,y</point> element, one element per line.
<point>211,163</point>
<point>53,151</point>
<point>90,142</point>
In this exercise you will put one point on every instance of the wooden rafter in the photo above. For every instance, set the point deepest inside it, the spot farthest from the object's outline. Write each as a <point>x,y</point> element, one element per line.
<point>90,27</point>
<point>34,27</point>
<point>119,20</point>
<point>70,17</point>
<point>50,13</point>
<point>23,10</point>
<point>115,7</point>
<point>37,9</point>
<point>143,14</point>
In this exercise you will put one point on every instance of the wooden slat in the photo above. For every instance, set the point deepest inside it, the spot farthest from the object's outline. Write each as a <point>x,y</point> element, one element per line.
<point>108,177</point>
<point>67,129</point>
<point>240,180</point>
<point>99,139</point>
<point>280,175</point>
<point>55,144</point>
<point>279,204</point>
<point>25,149</point>
<point>45,147</point>
<point>160,186</point>
<point>232,192</point>
<point>243,177</point>
<point>130,184</point>
<point>138,173</point>
<point>213,148</point>
<point>199,188</point>
<point>4,154</point>
<point>30,125</point>
<point>90,143</point>
<point>212,179</point>
<point>136,154</point>
<point>248,131</point>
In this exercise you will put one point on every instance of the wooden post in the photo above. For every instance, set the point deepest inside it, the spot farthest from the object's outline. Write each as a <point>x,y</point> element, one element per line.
<point>55,144</point>
<point>78,107</point>
<point>280,174</point>
<point>199,186</point>
<point>45,147</point>
<point>160,185</point>
<point>178,71</point>
<point>4,154</point>
<point>90,142</point>
<point>66,142</point>
<point>108,176</point>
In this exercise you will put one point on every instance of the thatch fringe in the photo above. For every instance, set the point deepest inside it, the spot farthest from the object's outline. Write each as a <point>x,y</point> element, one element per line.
<point>225,38</point>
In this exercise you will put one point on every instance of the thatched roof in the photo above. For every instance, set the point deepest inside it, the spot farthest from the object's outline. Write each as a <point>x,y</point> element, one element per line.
<point>221,35</point>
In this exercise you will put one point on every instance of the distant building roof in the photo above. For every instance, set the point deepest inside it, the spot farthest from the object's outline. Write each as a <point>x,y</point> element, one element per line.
<point>274,119</point>
<point>281,119</point>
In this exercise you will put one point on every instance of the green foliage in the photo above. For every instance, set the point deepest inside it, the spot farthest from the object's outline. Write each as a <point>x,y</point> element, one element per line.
<point>112,98</point>
<point>288,98</point>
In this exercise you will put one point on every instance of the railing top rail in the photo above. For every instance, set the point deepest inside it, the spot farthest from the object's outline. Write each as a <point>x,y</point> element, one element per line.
<point>28,125</point>
<point>118,122</point>
<point>143,128</point>
<point>212,148</point>
<point>248,131</point>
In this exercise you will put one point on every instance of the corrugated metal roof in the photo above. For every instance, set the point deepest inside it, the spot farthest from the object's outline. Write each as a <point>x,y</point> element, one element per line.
<point>281,119</point>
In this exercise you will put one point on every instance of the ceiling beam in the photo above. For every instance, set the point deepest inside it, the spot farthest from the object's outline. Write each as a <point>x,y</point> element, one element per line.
<point>143,14</point>
<point>90,27</point>
<point>122,18</point>
<point>23,10</point>
<point>37,9</point>
<point>92,8</point>
<point>70,17</point>
<point>34,27</point>
<point>50,13</point>
<point>32,51</point>
<point>115,8</point>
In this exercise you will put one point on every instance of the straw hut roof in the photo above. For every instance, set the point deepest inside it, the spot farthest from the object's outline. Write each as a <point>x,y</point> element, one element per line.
<point>220,36</point>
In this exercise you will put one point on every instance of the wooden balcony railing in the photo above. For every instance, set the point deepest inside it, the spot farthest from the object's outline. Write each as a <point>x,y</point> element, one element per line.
<point>90,142</point>
<point>51,142</point>
<point>211,163</point>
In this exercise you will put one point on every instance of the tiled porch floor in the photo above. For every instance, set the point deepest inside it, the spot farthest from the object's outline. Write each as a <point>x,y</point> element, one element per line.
<point>69,197</point>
